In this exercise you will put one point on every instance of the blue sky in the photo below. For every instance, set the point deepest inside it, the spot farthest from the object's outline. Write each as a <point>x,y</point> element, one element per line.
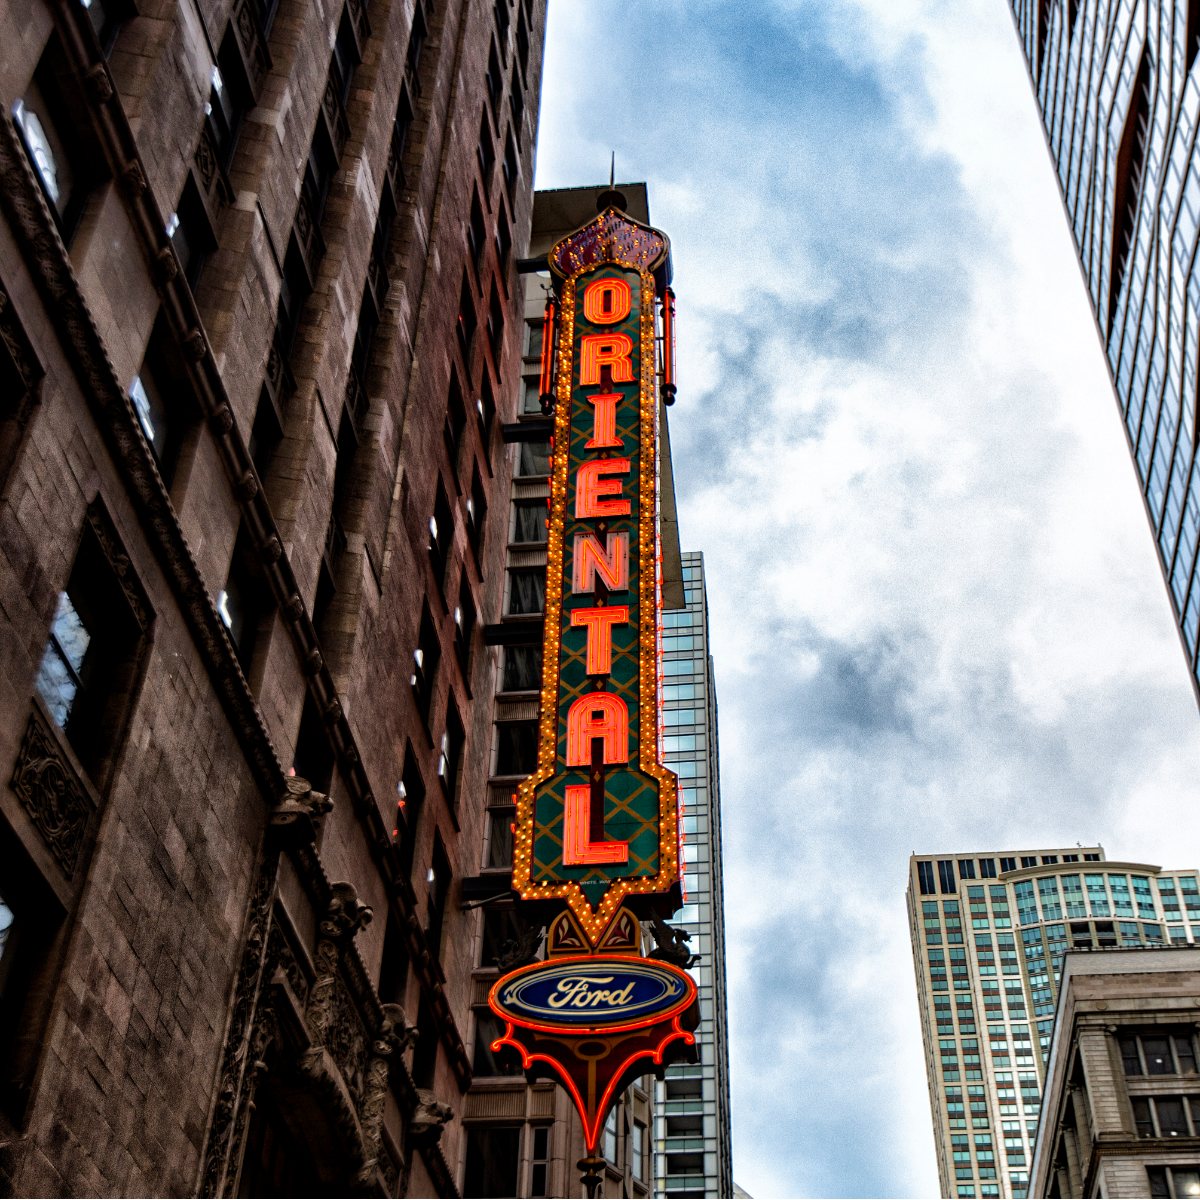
<point>936,614</point>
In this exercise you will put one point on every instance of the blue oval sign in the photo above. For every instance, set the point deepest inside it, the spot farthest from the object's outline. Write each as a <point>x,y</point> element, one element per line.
<point>592,992</point>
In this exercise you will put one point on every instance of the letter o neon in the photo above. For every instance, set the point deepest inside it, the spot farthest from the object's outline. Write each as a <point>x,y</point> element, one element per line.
<point>606,301</point>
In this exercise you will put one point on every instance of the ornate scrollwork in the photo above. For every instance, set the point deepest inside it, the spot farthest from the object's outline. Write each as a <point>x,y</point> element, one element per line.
<point>51,793</point>
<point>229,1114</point>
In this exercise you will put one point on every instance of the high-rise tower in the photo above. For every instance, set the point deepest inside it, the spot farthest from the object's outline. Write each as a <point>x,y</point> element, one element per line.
<point>1118,93</point>
<point>693,1148</point>
<point>988,935</point>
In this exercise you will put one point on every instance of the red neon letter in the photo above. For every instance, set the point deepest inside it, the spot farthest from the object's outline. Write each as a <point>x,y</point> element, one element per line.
<point>598,350</point>
<point>604,421</point>
<point>578,850</point>
<point>597,715</point>
<point>599,622</point>
<point>589,487</point>
<point>612,562</point>
<point>607,301</point>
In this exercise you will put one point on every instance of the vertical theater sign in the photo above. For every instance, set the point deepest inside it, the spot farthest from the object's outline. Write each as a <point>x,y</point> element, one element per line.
<point>597,840</point>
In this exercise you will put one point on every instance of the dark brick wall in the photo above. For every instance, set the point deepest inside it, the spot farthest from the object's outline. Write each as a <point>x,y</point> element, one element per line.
<point>137,971</point>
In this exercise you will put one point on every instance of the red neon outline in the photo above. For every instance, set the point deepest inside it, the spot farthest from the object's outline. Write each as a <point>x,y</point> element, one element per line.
<point>619,962</point>
<point>656,1054</point>
<point>622,301</point>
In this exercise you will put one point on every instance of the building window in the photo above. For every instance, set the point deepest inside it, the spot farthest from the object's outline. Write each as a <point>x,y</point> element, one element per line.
<point>540,1160</point>
<point>517,747</point>
<point>246,604</point>
<point>522,668</point>
<point>441,535</point>
<point>191,233</point>
<point>1091,858</point>
<point>438,884</point>
<point>1073,896</point>
<point>1174,1181</point>
<point>966,868</point>
<point>1152,1055</point>
<point>107,17</point>
<point>1131,158</point>
<point>476,234</point>
<point>610,1136</point>
<point>638,1156</point>
<point>89,665</point>
<point>493,1159</point>
<point>925,879</point>
<point>526,592</point>
<point>486,151</point>
<point>467,322</point>
<point>345,58</point>
<point>946,875</point>
<point>465,618</point>
<point>425,658</point>
<point>160,400</point>
<point>1165,1116</point>
<point>229,99</point>
<point>1048,895</point>
<point>534,459</point>
<point>1028,860</point>
<point>1008,864</point>
<point>503,239</point>
<point>53,140</point>
<point>510,166</point>
<point>477,509</point>
<point>987,868</point>
<point>494,79</point>
<point>530,519</point>
<point>1049,860</point>
<point>495,326</point>
<point>487,1030</point>
<point>500,837</point>
<point>450,761</point>
<point>294,287</point>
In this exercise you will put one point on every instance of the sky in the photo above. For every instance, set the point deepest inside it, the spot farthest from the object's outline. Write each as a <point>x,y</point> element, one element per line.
<point>936,615</point>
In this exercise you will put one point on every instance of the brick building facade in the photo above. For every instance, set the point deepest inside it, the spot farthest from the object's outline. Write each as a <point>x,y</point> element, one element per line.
<point>260,324</point>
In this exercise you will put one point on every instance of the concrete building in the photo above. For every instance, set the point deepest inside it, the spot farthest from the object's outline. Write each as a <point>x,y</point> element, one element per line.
<point>988,936</point>
<point>1122,1100</point>
<point>260,322</point>
<point>1118,93</point>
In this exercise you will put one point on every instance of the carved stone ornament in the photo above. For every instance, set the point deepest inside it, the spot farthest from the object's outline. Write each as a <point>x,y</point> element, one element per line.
<point>425,1125</point>
<point>99,85</point>
<point>166,264</point>
<point>297,817</point>
<point>101,525</point>
<point>50,792</point>
<point>20,348</point>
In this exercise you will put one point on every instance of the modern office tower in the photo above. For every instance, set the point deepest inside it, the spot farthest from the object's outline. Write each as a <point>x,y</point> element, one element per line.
<point>988,935</point>
<point>693,1146</point>
<point>260,322</point>
<point>1117,90</point>
<point>1122,1113</point>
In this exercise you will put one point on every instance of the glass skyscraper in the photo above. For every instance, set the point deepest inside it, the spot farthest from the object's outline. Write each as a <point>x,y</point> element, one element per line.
<point>988,936</point>
<point>693,1154</point>
<point>1119,97</point>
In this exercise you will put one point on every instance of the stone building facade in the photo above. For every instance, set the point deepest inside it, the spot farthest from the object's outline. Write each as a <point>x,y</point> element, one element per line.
<point>260,320</point>
<point>1121,1115</point>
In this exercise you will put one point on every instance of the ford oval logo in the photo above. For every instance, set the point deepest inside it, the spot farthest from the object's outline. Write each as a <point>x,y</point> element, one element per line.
<point>592,992</point>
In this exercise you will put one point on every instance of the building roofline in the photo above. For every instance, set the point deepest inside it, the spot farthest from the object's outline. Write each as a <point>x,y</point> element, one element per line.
<point>1056,868</point>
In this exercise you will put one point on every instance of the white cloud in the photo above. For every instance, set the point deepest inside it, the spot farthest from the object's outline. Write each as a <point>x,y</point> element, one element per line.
<point>936,612</point>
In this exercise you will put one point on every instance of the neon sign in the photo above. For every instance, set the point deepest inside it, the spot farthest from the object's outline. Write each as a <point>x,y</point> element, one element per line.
<point>597,820</point>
